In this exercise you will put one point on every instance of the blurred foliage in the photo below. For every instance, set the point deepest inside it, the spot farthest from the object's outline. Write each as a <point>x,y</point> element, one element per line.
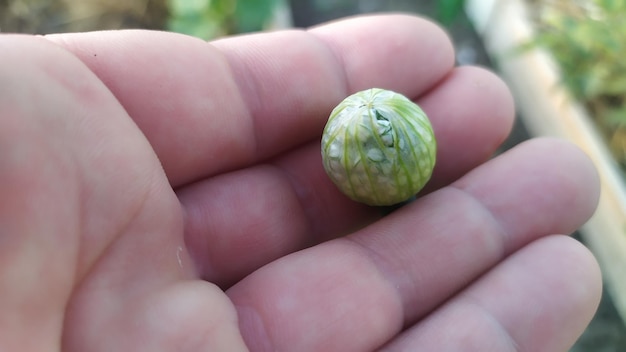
<point>449,10</point>
<point>50,16</point>
<point>588,41</point>
<point>202,18</point>
<point>212,18</point>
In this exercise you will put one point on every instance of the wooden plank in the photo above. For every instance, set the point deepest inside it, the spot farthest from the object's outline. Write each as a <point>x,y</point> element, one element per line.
<point>547,110</point>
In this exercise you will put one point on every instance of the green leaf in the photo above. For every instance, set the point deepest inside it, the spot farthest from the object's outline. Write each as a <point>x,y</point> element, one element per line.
<point>588,41</point>
<point>253,15</point>
<point>195,26</point>
<point>184,8</point>
<point>449,10</point>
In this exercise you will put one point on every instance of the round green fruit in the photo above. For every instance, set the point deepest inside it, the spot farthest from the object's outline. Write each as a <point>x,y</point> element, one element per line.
<point>378,147</point>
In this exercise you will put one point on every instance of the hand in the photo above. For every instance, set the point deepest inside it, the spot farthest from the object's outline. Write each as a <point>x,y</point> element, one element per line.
<point>164,194</point>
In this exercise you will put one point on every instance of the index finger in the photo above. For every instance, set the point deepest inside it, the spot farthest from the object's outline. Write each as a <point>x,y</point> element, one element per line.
<point>210,108</point>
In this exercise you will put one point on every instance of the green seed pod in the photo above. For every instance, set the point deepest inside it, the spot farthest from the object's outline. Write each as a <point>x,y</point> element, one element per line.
<point>378,147</point>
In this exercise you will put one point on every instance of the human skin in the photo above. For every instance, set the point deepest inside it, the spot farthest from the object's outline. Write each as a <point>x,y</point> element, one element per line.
<point>164,194</point>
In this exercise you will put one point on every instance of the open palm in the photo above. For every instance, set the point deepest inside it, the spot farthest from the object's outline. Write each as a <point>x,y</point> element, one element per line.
<point>159,193</point>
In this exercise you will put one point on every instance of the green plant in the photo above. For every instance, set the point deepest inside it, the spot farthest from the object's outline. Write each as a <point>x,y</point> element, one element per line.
<point>588,41</point>
<point>212,18</point>
<point>378,147</point>
<point>448,10</point>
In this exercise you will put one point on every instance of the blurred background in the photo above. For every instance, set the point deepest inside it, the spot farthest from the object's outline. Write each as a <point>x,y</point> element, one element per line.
<point>585,41</point>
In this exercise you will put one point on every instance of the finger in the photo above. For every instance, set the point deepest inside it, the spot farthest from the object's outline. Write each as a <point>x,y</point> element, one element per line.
<point>211,108</point>
<point>541,187</point>
<point>184,316</point>
<point>295,203</point>
<point>64,142</point>
<point>539,299</point>
<point>472,113</point>
<point>37,233</point>
<point>399,269</point>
